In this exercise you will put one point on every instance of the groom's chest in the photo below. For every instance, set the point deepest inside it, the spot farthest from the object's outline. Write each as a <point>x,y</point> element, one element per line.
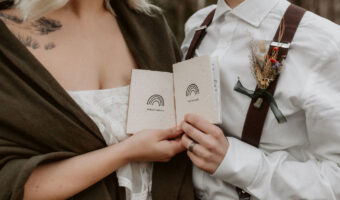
<point>229,42</point>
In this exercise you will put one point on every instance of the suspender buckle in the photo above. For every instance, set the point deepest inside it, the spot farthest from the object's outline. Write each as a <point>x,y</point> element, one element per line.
<point>201,28</point>
<point>281,45</point>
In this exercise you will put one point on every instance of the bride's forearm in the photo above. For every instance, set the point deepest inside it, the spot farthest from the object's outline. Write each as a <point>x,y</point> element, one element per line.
<point>64,179</point>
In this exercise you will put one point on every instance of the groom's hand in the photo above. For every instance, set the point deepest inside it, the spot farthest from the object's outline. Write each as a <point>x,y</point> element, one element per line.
<point>206,143</point>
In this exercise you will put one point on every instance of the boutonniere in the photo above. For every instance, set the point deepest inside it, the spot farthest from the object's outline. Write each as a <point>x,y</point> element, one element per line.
<point>266,69</point>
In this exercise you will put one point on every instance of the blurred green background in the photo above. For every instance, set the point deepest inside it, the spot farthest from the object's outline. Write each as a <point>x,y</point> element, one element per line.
<point>178,11</point>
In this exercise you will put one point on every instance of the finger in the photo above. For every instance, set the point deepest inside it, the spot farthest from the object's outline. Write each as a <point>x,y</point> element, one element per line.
<point>179,128</point>
<point>170,133</point>
<point>199,162</point>
<point>177,139</point>
<point>175,147</point>
<point>198,149</point>
<point>204,165</point>
<point>203,125</point>
<point>186,141</point>
<point>195,134</point>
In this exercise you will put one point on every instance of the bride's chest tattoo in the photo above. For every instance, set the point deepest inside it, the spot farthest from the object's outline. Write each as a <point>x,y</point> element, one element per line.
<point>30,33</point>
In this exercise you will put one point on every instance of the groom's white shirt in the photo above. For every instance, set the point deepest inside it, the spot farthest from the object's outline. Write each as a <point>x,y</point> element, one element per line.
<point>296,160</point>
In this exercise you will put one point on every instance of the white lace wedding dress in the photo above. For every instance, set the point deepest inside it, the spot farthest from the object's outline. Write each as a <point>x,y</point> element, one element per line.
<point>108,109</point>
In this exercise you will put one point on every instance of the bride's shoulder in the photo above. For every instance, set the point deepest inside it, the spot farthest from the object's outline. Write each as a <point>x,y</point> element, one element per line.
<point>13,20</point>
<point>11,16</point>
<point>29,32</point>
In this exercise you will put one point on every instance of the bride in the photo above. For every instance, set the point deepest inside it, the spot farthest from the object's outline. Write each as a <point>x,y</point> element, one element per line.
<point>69,140</point>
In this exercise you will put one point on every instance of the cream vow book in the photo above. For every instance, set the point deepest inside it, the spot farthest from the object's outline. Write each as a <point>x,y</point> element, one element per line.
<point>160,100</point>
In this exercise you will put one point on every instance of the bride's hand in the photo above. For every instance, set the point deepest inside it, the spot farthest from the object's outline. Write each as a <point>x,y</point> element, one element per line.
<point>154,145</point>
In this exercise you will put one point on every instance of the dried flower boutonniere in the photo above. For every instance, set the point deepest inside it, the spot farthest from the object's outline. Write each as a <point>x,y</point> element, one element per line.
<point>266,70</point>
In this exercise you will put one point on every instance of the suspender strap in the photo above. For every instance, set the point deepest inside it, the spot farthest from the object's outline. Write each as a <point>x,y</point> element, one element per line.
<point>253,126</point>
<point>256,117</point>
<point>199,35</point>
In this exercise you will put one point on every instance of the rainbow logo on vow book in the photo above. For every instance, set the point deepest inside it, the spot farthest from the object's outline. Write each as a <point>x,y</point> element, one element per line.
<point>192,88</point>
<point>156,98</point>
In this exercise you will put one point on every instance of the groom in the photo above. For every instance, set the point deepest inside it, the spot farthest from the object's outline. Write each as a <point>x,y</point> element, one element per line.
<point>297,154</point>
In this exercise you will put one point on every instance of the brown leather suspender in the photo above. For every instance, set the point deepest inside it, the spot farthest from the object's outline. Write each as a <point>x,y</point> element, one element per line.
<point>256,117</point>
<point>199,35</point>
<point>253,126</point>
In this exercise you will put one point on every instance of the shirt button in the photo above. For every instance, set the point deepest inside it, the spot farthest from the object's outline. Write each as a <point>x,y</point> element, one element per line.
<point>200,195</point>
<point>243,195</point>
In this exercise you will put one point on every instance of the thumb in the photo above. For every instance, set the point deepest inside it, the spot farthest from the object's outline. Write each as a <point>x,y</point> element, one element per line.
<point>177,145</point>
<point>171,133</point>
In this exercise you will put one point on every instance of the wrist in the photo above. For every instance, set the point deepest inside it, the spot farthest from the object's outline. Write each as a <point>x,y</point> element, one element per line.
<point>241,164</point>
<point>122,151</point>
<point>127,151</point>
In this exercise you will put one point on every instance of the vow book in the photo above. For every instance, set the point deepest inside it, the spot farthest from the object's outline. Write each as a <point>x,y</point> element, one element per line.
<point>160,100</point>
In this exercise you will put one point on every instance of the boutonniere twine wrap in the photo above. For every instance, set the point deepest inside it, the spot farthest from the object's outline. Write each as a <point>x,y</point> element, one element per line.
<point>260,94</point>
<point>266,69</point>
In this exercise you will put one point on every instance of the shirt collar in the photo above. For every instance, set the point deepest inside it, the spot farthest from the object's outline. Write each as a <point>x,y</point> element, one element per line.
<point>221,8</point>
<point>250,11</point>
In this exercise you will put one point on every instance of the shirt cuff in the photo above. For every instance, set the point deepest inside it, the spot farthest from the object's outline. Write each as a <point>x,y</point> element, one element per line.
<point>240,165</point>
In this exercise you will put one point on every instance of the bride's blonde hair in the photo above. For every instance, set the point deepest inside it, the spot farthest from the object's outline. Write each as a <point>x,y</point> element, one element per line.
<point>37,8</point>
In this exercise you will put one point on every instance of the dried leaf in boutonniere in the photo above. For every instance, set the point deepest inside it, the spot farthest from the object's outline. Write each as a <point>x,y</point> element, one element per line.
<point>266,69</point>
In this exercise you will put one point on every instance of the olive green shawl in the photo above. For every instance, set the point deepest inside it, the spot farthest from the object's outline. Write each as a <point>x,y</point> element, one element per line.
<point>39,121</point>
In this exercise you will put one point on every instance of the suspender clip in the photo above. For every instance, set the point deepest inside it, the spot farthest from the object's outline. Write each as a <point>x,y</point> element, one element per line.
<point>281,45</point>
<point>201,28</point>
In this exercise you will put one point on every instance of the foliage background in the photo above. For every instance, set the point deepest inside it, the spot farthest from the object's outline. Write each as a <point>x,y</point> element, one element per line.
<point>178,11</point>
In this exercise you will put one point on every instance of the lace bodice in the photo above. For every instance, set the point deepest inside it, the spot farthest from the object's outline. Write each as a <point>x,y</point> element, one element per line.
<point>108,109</point>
